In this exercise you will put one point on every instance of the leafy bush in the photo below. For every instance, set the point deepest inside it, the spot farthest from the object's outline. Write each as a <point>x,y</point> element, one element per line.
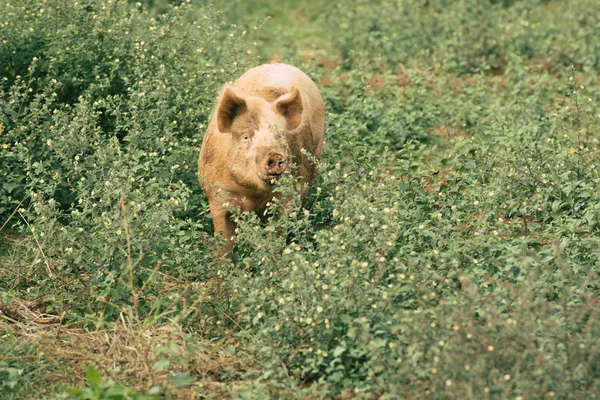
<point>429,279</point>
<point>105,390</point>
<point>463,36</point>
<point>100,137</point>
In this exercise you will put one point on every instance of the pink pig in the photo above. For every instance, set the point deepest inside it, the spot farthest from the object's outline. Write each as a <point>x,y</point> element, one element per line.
<point>271,117</point>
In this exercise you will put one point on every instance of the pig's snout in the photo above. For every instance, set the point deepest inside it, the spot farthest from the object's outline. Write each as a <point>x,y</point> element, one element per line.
<point>275,164</point>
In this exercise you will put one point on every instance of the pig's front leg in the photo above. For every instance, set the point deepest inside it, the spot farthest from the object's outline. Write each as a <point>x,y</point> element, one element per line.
<point>224,226</point>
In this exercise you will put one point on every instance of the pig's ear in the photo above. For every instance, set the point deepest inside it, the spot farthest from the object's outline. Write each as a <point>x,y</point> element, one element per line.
<point>231,106</point>
<point>290,106</point>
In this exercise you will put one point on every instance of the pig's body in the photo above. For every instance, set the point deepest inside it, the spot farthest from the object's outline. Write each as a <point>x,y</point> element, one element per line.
<point>260,125</point>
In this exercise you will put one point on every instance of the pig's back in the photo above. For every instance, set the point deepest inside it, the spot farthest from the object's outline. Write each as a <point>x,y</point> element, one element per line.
<point>271,75</point>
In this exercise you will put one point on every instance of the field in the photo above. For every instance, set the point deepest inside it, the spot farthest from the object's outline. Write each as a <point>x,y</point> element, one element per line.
<point>449,249</point>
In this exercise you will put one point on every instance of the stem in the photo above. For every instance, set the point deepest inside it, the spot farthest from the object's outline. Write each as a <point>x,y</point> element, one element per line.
<point>130,263</point>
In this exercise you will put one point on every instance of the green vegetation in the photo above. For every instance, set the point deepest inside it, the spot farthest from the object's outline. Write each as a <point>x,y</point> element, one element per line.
<point>450,247</point>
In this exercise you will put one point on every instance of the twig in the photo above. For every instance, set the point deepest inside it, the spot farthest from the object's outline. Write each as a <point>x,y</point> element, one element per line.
<point>38,244</point>
<point>13,214</point>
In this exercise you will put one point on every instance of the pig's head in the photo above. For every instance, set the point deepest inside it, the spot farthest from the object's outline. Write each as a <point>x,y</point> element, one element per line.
<point>259,151</point>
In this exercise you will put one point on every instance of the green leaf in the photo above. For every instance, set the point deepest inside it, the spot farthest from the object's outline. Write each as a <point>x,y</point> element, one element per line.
<point>72,390</point>
<point>182,380</point>
<point>338,351</point>
<point>92,376</point>
<point>161,364</point>
<point>154,390</point>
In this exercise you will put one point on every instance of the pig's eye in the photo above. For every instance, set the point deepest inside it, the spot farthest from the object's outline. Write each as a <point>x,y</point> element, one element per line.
<point>246,138</point>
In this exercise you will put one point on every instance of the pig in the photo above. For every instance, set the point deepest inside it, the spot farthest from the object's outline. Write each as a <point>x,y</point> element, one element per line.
<point>273,116</point>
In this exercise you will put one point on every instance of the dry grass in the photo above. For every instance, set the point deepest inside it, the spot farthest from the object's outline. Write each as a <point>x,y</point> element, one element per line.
<point>59,355</point>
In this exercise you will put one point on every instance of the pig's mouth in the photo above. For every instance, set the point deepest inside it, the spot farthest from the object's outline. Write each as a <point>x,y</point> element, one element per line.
<point>269,178</point>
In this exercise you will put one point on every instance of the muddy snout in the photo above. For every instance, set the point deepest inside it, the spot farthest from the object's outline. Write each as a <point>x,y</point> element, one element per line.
<point>275,165</point>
